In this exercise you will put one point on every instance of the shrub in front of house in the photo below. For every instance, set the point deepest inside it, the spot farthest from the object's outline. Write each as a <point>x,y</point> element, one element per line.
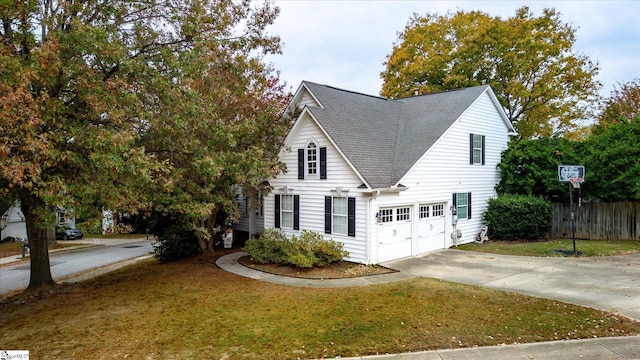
<point>325,251</point>
<point>308,250</point>
<point>518,217</point>
<point>268,248</point>
<point>176,243</point>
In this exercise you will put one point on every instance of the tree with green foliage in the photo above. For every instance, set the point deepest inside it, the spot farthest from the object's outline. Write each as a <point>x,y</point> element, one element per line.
<point>529,61</point>
<point>102,105</point>
<point>530,167</point>
<point>612,162</point>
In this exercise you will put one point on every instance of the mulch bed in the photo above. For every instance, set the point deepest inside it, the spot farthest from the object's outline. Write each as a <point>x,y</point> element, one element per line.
<point>338,270</point>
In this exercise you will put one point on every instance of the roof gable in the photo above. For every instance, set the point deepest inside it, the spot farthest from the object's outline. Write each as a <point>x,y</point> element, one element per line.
<point>384,138</point>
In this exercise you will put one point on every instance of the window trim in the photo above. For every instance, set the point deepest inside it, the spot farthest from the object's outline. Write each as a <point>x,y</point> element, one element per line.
<point>278,216</point>
<point>351,216</point>
<point>473,149</point>
<point>462,215</point>
<point>312,145</point>
<point>286,212</point>
<point>344,216</point>
<point>320,161</point>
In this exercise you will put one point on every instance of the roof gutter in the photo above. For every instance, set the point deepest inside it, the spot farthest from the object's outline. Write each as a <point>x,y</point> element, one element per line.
<point>390,190</point>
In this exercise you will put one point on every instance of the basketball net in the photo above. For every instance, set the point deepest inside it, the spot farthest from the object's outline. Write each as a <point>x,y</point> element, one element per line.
<point>576,181</point>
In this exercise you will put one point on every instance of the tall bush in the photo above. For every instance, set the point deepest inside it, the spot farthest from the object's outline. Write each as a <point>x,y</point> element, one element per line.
<point>518,217</point>
<point>176,243</point>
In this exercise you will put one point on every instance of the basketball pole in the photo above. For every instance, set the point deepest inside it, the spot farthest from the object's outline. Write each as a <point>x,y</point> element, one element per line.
<point>573,221</point>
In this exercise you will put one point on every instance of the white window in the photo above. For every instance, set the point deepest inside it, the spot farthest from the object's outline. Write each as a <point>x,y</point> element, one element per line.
<point>438,210</point>
<point>339,215</point>
<point>312,159</point>
<point>476,149</point>
<point>462,205</point>
<point>286,211</point>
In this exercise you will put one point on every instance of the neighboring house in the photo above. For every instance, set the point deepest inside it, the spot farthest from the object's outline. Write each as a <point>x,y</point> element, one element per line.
<point>384,176</point>
<point>12,223</point>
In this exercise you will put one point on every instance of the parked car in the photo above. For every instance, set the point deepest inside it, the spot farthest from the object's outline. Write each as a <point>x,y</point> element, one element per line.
<point>9,239</point>
<point>67,232</point>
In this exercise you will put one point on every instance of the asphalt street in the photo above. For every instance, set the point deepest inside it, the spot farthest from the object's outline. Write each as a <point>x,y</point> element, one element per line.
<point>73,262</point>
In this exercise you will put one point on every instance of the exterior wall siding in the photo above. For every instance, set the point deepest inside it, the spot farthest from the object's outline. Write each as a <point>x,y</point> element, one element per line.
<point>307,100</point>
<point>313,191</point>
<point>445,168</point>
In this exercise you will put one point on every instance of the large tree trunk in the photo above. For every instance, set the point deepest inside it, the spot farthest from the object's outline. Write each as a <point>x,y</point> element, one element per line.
<point>206,243</point>
<point>40,278</point>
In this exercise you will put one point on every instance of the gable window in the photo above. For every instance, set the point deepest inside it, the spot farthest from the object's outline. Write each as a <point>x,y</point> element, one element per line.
<point>312,161</point>
<point>340,215</point>
<point>462,202</point>
<point>287,212</point>
<point>476,149</point>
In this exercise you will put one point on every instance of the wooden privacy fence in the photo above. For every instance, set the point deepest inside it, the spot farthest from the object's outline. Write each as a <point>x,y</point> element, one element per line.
<point>598,220</point>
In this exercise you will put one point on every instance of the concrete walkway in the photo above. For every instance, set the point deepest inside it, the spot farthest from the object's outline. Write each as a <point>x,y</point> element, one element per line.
<point>607,283</point>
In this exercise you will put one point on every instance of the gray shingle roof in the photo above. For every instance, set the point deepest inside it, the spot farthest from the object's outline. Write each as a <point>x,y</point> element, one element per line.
<point>384,138</point>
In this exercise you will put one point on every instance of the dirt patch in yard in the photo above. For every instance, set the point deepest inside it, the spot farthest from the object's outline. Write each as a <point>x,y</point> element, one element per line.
<point>339,270</point>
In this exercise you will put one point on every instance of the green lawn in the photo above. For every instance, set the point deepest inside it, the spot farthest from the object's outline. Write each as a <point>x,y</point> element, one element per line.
<point>557,247</point>
<point>193,310</point>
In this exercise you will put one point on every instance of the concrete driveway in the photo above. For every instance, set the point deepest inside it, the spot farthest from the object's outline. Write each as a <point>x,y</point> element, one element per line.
<point>607,283</point>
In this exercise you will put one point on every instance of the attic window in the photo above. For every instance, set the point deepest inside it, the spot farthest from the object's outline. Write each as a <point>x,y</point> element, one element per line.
<point>312,161</point>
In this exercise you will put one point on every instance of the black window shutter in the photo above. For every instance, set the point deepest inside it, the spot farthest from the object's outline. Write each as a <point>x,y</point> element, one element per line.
<point>323,163</point>
<point>296,212</point>
<point>468,205</point>
<point>277,212</point>
<point>483,149</point>
<point>300,163</point>
<point>471,149</point>
<point>351,218</point>
<point>455,200</point>
<point>327,214</point>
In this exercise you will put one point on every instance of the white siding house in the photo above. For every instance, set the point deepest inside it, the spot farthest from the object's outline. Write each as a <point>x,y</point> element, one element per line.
<point>381,176</point>
<point>12,223</point>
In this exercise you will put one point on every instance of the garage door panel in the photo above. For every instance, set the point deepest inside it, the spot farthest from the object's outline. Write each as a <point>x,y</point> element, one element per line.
<point>394,233</point>
<point>431,228</point>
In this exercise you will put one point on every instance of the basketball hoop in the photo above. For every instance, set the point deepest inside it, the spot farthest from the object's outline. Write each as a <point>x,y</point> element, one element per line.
<point>576,181</point>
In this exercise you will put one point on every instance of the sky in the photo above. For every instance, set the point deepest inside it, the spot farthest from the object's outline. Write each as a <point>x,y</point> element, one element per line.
<point>345,43</point>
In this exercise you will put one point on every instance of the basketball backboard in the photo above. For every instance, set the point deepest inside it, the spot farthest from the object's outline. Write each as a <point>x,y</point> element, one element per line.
<point>566,172</point>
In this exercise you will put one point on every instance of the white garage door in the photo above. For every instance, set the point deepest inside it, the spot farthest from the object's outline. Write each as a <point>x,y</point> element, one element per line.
<point>431,228</point>
<point>394,233</point>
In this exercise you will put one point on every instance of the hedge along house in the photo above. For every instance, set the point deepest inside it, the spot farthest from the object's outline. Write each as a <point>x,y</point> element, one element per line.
<point>382,176</point>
